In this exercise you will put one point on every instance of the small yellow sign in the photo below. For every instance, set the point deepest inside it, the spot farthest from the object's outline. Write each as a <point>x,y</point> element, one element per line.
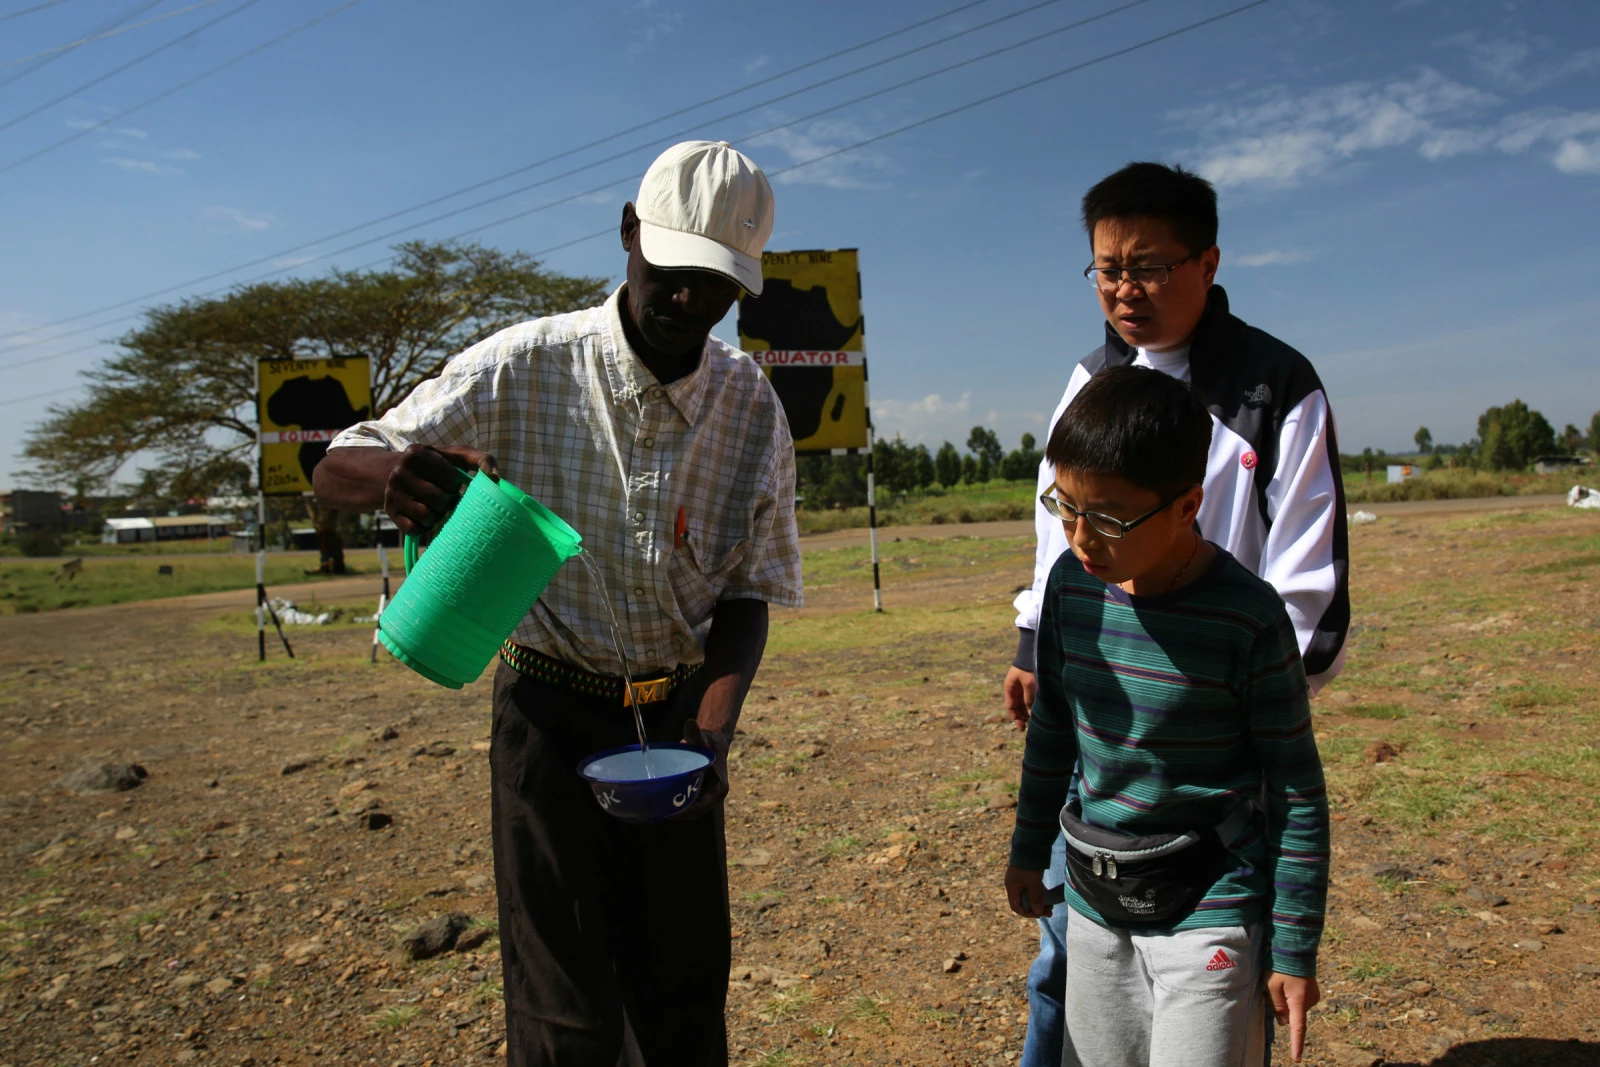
<point>302,404</point>
<point>807,332</point>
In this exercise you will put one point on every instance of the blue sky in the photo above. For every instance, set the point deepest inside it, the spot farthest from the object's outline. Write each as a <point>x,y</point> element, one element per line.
<point>1410,189</point>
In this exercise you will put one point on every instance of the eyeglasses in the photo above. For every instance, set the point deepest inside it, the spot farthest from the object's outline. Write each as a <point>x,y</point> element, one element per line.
<point>1145,276</point>
<point>1100,523</point>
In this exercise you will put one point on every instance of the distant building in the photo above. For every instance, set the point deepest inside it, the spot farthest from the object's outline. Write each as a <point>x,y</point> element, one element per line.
<point>31,509</point>
<point>1555,464</point>
<point>1399,472</point>
<point>125,531</point>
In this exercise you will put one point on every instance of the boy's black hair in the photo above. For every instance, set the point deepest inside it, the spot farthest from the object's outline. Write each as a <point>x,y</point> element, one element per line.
<point>1154,190</point>
<point>1136,423</point>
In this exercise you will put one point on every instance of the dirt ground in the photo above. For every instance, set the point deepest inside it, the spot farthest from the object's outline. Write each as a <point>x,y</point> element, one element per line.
<point>245,902</point>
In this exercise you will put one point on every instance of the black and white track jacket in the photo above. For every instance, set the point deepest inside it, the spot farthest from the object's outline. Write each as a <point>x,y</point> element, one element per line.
<point>1274,498</point>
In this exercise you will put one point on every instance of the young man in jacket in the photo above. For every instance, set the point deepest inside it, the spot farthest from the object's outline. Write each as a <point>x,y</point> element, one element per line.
<point>1273,495</point>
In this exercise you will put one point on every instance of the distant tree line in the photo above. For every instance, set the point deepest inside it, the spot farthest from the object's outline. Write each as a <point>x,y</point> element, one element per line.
<point>901,468</point>
<point>1510,438</point>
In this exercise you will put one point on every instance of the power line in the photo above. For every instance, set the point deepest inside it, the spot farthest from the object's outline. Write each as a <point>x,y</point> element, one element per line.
<point>1024,86</point>
<point>36,396</point>
<point>30,10</point>
<point>125,112</point>
<point>588,166</point>
<point>111,25</point>
<point>93,37</point>
<point>92,82</point>
<point>478,185</point>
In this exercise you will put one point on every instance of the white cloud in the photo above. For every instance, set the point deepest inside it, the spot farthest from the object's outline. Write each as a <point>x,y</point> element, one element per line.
<point>1279,139</point>
<point>651,25</point>
<point>1276,257</point>
<point>141,166</point>
<point>1579,157</point>
<point>928,421</point>
<point>757,63</point>
<point>1522,64</point>
<point>181,153</point>
<point>237,217</point>
<point>858,169</point>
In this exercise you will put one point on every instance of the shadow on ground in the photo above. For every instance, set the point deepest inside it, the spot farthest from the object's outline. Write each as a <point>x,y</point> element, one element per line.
<point>1516,1052</point>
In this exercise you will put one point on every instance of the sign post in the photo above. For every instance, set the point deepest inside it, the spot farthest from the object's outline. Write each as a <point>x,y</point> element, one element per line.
<point>383,598</point>
<point>301,405</point>
<point>807,333</point>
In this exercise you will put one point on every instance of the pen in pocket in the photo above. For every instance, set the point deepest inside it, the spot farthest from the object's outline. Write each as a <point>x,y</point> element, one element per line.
<point>677,541</point>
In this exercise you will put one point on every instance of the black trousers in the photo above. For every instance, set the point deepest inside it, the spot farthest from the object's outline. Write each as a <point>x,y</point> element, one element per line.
<point>614,937</point>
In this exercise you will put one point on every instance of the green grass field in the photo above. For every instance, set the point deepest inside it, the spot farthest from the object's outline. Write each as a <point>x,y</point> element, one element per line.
<point>29,585</point>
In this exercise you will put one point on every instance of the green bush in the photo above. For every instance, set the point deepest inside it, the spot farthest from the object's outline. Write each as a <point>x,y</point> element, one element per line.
<point>39,543</point>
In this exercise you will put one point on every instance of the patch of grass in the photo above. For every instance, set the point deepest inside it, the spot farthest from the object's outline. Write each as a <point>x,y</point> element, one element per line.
<point>488,991</point>
<point>1365,965</point>
<point>1563,566</point>
<point>146,918</point>
<point>870,1009</point>
<point>778,1057</point>
<point>787,1005</point>
<point>397,1017</point>
<point>840,845</point>
<point>1377,711</point>
<point>29,585</point>
<point>1391,884</point>
<point>1534,695</point>
<point>933,1017</point>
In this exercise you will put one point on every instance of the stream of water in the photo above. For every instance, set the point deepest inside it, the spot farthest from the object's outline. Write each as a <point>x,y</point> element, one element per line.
<point>591,565</point>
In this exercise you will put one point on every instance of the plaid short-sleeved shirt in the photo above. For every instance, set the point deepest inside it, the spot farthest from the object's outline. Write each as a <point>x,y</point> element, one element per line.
<point>577,421</point>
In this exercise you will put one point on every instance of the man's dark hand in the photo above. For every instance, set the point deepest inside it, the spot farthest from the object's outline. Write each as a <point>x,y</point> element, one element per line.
<point>426,483</point>
<point>715,784</point>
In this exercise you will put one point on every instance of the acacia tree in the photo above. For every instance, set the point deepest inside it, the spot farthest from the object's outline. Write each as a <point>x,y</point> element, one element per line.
<point>182,390</point>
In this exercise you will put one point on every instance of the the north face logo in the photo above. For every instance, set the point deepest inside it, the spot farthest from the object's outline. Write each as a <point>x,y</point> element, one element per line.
<point>1219,962</point>
<point>1261,394</point>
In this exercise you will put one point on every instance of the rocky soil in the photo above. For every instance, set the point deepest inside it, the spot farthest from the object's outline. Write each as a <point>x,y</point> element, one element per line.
<point>209,860</point>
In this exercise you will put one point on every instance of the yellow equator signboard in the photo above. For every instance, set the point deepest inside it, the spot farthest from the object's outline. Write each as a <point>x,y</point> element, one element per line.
<point>807,332</point>
<point>302,404</point>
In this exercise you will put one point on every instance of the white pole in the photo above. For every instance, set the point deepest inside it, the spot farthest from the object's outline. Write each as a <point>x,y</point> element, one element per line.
<point>872,524</point>
<point>261,574</point>
<point>383,597</point>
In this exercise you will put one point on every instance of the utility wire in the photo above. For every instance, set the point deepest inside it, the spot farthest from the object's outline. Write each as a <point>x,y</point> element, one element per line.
<point>186,83</point>
<point>113,24</point>
<point>1103,58</point>
<point>587,166</point>
<point>37,396</point>
<point>134,62</point>
<point>93,37</point>
<point>478,185</point>
<point>30,10</point>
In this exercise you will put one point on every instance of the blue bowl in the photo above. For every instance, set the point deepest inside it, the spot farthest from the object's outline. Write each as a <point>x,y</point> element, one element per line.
<point>620,788</point>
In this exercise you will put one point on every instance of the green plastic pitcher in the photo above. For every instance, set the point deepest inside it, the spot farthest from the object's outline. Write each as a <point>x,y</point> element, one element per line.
<point>486,566</point>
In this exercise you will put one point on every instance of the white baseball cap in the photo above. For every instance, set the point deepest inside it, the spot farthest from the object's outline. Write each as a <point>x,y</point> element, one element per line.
<point>705,206</point>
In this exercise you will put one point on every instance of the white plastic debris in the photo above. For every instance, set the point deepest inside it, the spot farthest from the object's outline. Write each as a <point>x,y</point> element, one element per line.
<point>290,615</point>
<point>1363,516</point>
<point>1580,496</point>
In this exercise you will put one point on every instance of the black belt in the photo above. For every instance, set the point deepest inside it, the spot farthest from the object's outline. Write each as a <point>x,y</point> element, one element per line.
<point>554,672</point>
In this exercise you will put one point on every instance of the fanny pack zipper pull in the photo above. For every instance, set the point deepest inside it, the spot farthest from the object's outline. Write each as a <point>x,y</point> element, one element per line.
<point>1111,868</point>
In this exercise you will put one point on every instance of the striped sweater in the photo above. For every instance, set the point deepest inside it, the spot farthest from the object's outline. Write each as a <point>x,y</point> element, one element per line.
<point>1178,707</point>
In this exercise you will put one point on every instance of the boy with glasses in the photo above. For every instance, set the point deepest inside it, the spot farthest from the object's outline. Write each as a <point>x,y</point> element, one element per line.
<point>1273,497</point>
<point>1174,674</point>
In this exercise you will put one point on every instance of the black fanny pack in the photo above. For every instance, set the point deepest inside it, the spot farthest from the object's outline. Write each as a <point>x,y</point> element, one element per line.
<point>1150,880</point>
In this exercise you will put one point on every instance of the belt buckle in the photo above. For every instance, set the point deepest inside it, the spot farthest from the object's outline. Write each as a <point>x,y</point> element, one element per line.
<point>648,691</point>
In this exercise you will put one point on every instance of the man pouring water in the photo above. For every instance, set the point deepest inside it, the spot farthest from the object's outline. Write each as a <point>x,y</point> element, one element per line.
<point>668,450</point>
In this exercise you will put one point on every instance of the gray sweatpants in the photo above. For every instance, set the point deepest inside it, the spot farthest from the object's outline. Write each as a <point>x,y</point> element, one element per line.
<point>1195,998</point>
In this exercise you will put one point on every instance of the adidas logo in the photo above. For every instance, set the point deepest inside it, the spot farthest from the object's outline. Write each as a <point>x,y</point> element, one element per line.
<point>1219,962</point>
